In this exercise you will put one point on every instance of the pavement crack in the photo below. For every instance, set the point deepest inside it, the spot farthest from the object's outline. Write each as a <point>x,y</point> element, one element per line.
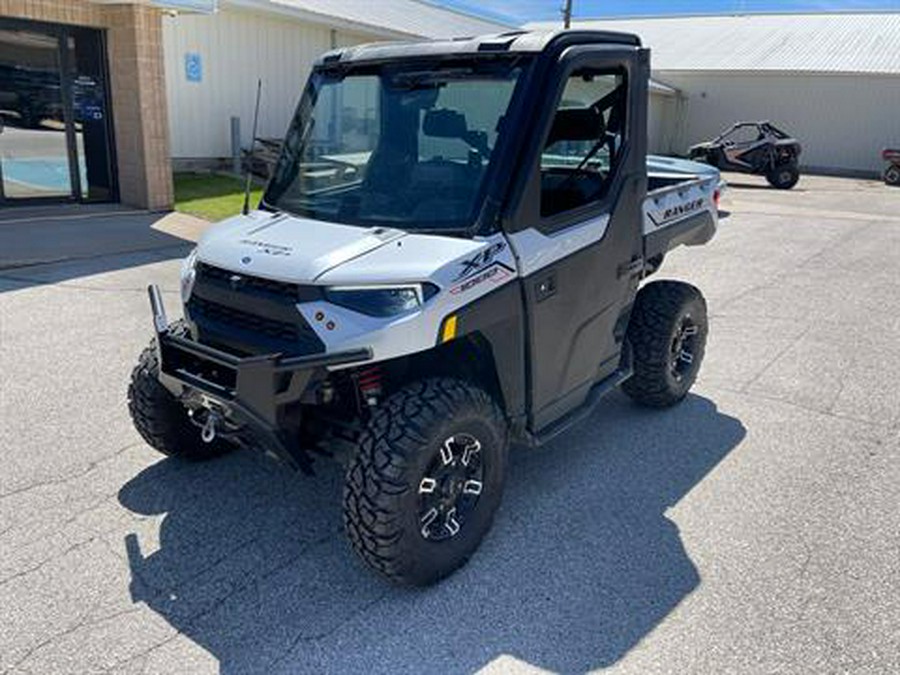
<point>142,653</point>
<point>46,561</point>
<point>787,273</point>
<point>83,622</point>
<point>746,386</point>
<point>798,406</point>
<point>300,638</point>
<point>66,479</point>
<point>238,588</point>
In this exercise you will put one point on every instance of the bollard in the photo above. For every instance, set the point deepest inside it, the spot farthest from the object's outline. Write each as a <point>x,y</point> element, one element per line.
<point>236,145</point>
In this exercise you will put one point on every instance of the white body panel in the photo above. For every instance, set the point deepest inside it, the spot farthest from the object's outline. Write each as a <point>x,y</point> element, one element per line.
<point>302,251</point>
<point>288,248</point>
<point>536,250</point>
<point>670,205</point>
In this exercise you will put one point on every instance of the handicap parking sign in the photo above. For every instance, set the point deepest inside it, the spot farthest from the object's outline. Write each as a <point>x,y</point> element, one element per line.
<point>193,67</point>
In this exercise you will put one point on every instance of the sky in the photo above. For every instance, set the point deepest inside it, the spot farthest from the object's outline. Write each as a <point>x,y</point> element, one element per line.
<point>519,11</point>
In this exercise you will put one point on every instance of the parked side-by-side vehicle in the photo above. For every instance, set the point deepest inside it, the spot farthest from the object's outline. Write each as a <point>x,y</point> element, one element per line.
<point>449,258</point>
<point>756,148</point>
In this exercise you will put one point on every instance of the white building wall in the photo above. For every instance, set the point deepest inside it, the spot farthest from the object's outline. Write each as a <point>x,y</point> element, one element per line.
<point>843,121</point>
<point>236,47</point>
<point>662,123</point>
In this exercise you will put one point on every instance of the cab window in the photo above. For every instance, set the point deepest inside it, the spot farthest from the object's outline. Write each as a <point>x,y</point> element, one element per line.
<point>584,144</point>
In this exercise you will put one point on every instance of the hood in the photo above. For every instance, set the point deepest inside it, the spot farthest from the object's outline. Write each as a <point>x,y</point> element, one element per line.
<point>660,164</point>
<point>284,247</point>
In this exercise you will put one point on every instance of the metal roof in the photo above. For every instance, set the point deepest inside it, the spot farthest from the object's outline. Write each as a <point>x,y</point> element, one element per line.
<point>387,18</point>
<point>511,42</point>
<point>829,43</point>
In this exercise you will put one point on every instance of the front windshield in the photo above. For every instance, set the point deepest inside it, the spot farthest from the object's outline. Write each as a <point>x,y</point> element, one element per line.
<point>405,147</point>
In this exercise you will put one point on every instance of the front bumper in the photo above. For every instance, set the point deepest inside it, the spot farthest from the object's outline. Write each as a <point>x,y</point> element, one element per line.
<point>253,390</point>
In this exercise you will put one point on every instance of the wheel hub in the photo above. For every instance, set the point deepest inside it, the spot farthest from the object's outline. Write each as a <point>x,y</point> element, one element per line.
<point>450,488</point>
<point>684,344</point>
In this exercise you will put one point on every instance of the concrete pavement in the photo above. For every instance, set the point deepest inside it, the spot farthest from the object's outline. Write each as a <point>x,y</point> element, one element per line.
<point>751,529</point>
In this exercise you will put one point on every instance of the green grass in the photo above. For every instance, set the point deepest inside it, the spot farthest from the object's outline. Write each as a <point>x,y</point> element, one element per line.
<point>212,196</point>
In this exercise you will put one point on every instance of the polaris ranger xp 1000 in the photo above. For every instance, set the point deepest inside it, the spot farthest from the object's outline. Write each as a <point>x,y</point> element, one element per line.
<point>447,259</point>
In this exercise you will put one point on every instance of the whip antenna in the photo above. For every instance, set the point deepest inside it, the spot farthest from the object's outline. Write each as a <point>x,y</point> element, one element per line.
<point>246,208</point>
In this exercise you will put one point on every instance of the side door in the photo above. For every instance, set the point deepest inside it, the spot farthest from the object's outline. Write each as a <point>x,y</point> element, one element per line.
<point>576,231</point>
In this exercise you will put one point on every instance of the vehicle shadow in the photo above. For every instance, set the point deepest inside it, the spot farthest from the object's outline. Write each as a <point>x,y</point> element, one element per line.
<point>582,562</point>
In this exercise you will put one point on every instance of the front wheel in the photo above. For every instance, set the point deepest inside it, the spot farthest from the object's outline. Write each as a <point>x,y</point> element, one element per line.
<point>783,176</point>
<point>892,175</point>
<point>158,416</point>
<point>426,479</point>
<point>667,333</point>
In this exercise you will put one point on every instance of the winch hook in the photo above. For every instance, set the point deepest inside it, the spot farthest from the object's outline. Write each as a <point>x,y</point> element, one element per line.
<point>208,432</point>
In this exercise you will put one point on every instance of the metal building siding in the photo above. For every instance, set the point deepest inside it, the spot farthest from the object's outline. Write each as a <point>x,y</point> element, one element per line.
<point>837,42</point>
<point>661,123</point>
<point>843,121</point>
<point>413,18</point>
<point>236,48</point>
<point>833,79</point>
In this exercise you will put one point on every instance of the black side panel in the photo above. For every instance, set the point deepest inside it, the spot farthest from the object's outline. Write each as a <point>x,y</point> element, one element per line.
<point>574,340</point>
<point>696,229</point>
<point>498,317</point>
<point>576,306</point>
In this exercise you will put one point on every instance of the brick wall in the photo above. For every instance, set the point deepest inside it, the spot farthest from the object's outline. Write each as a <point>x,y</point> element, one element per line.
<point>54,11</point>
<point>137,88</point>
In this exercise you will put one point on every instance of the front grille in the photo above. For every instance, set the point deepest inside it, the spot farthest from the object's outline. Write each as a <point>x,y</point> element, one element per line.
<point>251,315</point>
<point>251,284</point>
<point>201,310</point>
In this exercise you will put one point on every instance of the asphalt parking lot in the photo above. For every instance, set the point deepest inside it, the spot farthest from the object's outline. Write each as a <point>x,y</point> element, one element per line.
<point>753,529</point>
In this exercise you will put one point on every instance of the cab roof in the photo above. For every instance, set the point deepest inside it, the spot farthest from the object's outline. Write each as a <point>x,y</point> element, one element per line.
<point>521,42</point>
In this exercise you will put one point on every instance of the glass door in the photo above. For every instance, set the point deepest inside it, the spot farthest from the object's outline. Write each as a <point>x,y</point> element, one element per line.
<point>34,148</point>
<point>55,130</point>
<point>86,83</point>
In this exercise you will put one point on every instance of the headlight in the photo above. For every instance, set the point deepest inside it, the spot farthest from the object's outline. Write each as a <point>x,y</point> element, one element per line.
<point>188,274</point>
<point>380,301</point>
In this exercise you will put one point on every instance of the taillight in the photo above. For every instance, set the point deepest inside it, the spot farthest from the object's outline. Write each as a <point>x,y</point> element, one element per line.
<point>716,196</point>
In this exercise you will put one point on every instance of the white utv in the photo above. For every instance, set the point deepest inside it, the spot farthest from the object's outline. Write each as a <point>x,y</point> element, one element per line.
<point>447,260</point>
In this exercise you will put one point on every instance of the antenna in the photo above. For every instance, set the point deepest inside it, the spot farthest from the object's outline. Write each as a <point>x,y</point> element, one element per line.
<point>567,14</point>
<point>246,208</point>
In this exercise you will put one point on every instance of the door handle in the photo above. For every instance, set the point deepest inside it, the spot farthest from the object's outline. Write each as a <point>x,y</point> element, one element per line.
<point>545,287</point>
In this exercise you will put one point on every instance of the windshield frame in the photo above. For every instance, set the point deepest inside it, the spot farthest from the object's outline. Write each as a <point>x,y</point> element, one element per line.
<point>484,214</point>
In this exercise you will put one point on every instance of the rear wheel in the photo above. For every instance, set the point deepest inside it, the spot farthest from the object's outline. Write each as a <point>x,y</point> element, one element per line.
<point>667,333</point>
<point>783,176</point>
<point>427,477</point>
<point>158,416</point>
<point>892,175</point>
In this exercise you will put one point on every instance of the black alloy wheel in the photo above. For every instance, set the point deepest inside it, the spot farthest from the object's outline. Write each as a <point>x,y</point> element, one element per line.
<point>684,348</point>
<point>450,488</point>
<point>426,479</point>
